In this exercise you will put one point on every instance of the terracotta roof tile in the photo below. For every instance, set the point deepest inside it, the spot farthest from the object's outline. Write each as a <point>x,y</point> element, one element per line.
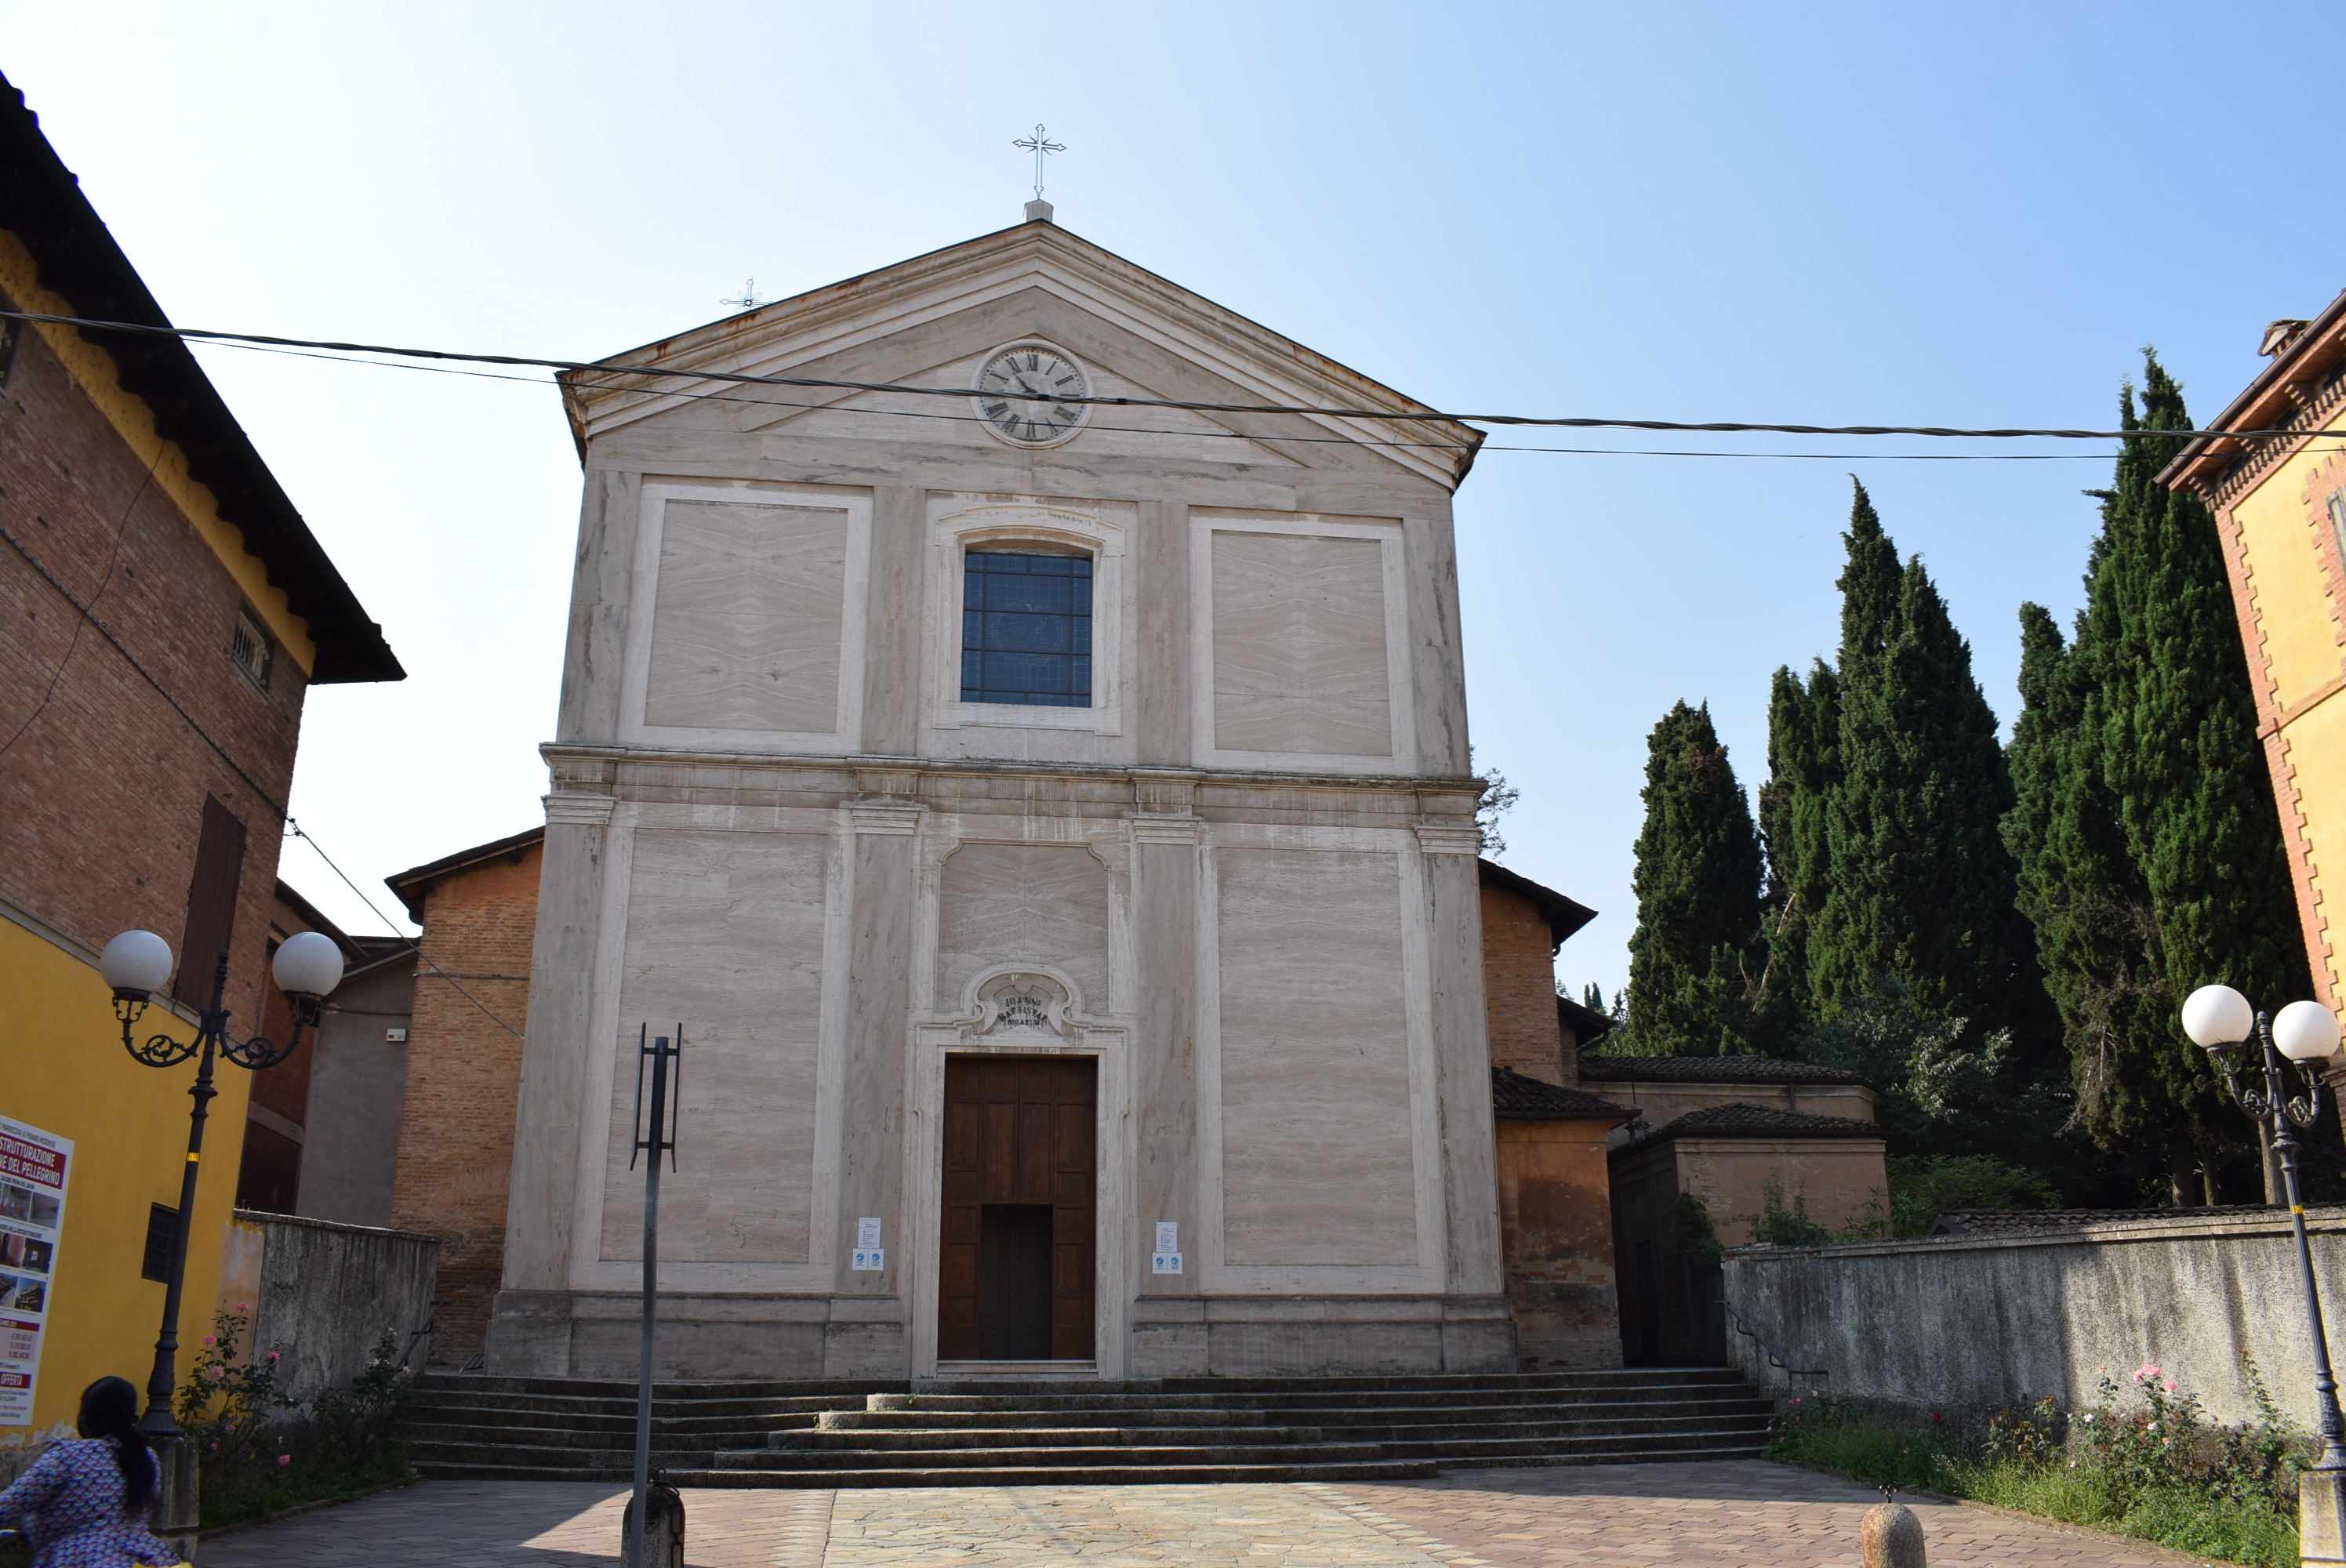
<point>1710,1070</point>
<point>1516,1097</point>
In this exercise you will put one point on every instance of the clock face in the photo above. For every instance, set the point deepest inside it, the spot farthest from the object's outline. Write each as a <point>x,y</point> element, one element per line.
<point>1031,373</point>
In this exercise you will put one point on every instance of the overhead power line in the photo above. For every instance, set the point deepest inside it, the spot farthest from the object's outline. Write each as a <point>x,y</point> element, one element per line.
<point>1543,421</point>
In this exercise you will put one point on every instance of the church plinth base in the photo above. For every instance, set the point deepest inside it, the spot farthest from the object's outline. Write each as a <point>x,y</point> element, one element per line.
<point>1319,1336</point>
<point>592,1334</point>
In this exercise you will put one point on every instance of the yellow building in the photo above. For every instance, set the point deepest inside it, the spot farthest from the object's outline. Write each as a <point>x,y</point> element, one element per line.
<point>2280,506</point>
<point>163,611</point>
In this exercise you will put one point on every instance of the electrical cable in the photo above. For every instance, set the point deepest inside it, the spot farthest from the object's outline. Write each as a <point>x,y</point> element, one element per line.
<point>416,943</point>
<point>1544,422</point>
<point>1219,434</point>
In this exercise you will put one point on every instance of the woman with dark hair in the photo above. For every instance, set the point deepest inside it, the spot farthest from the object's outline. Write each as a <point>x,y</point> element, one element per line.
<point>85,1504</point>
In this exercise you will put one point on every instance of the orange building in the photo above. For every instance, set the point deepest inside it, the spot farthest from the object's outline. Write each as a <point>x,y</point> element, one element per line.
<point>2281,508</point>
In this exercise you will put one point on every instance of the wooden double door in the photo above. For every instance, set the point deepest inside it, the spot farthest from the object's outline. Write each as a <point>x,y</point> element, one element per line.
<point>1018,1252</point>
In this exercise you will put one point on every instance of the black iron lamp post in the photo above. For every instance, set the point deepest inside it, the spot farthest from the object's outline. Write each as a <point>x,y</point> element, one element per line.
<point>137,964</point>
<point>2302,1036</point>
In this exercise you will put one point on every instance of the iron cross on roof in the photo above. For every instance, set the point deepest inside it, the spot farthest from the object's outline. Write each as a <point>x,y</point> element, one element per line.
<point>1041,146</point>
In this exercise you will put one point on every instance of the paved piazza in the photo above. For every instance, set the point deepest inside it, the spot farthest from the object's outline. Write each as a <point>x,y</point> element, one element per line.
<point>1719,1515</point>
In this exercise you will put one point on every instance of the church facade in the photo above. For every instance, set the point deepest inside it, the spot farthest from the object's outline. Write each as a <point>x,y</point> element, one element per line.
<point>1050,825</point>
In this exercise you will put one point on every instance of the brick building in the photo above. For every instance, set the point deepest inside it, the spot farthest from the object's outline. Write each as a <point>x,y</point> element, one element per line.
<point>164,611</point>
<point>478,908</point>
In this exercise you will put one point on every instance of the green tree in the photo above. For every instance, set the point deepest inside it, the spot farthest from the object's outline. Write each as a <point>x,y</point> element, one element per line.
<point>1693,959</point>
<point>1803,765</point>
<point>2145,822</point>
<point>1916,880</point>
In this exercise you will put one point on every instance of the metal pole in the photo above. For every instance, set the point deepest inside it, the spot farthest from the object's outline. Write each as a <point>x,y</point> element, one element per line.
<point>651,1305</point>
<point>157,1421</point>
<point>2325,1384</point>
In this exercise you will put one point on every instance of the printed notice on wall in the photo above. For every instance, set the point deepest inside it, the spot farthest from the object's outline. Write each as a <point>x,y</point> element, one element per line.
<point>1167,1257</point>
<point>867,1232</point>
<point>32,1169</point>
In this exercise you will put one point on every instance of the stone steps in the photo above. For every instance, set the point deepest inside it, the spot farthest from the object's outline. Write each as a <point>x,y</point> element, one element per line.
<point>997,1432</point>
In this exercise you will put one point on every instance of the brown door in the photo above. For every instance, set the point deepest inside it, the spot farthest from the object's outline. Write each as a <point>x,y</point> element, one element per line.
<point>1016,1265</point>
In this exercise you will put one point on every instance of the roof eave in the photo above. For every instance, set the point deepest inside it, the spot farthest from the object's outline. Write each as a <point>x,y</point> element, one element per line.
<point>80,261</point>
<point>2320,345</point>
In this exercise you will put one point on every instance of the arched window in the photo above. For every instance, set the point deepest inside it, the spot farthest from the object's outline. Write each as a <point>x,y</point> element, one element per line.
<point>1026,627</point>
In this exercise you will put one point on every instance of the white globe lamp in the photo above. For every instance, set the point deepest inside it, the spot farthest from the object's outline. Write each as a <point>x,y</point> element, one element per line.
<point>137,964</point>
<point>308,965</point>
<point>2306,1031</point>
<point>2217,1016</point>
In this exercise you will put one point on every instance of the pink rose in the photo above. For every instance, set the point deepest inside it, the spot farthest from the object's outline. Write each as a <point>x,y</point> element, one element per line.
<point>2168,1385</point>
<point>285,1458</point>
<point>244,1306</point>
<point>272,1356</point>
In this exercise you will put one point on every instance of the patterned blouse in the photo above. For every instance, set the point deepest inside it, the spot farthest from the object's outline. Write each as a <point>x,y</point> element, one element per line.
<point>69,1506</point>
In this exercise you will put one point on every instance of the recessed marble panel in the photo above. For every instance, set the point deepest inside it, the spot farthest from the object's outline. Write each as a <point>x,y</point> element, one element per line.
<point>1299,658</point>
<point>746,620</point>
<point>1317,1161</point>
<point>1023,903</point>
<point>725,934</point>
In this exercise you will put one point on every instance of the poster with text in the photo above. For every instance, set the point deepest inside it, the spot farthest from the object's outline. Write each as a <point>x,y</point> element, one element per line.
<point>32,1170</point>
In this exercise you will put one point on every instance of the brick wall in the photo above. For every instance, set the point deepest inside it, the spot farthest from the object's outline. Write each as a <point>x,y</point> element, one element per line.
<point>463,1083</point>
<point>102,794</point>
<point>1519,988</point>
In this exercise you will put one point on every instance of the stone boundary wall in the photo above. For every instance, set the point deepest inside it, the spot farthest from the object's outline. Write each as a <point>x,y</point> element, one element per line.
<point>1966,1325</point>
<point>323,1293</point>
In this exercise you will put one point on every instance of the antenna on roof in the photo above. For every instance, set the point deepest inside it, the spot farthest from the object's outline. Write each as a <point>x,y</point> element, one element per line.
<point>1041,145</point>
<point>748,300</point>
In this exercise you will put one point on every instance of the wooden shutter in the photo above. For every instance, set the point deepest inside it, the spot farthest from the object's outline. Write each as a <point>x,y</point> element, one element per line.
<point>211,902</point>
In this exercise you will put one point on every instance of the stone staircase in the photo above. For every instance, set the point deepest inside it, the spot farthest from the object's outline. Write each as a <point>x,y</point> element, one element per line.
<point>1003,1432</point>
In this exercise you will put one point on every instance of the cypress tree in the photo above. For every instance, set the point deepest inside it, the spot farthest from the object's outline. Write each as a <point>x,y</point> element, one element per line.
<point>1691,960</point>
<point>2146,817</point>
<point>1920,883</point>
<point>1803,767</point>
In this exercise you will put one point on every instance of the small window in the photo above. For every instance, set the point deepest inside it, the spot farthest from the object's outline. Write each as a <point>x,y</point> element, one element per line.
<point>1026,629</point>
<point>2338,522</point>
<point>162,1227</point>
<point>249,649</point>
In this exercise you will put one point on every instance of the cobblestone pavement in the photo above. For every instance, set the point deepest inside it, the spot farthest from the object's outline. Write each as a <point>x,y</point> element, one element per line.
<point>1733,1515</point>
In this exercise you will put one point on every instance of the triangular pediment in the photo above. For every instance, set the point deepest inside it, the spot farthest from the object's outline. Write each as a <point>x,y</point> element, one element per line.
<point>932,321</point>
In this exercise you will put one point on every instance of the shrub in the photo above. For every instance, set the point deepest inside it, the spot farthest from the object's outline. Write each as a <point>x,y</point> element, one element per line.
<point>259,1451</point>
<point>1923,1187</point>
<point>2145,1462</point>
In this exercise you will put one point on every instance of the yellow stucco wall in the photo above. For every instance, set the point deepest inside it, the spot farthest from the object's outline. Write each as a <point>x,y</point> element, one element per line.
<point>67,1074</point>
<point>92,369</point>
<point>2281,537</point>
<point>2287,561</point>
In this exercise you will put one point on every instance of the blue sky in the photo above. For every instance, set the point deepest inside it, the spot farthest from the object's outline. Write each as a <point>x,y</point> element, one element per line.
<point>1971,215</point>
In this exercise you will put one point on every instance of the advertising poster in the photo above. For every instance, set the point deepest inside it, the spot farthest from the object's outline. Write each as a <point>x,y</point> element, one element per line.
<point>32,1169</point>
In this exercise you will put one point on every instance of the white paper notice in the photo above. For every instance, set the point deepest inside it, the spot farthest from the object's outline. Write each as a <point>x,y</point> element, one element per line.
<point>1168,1236</point>
<point>867,1232</point>
<point>33,1165</point>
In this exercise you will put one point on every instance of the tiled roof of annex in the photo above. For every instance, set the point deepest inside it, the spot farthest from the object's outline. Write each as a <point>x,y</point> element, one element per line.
<point>1710,1070</point>
<point>1740,1121</point>
<point>1515,1097</point>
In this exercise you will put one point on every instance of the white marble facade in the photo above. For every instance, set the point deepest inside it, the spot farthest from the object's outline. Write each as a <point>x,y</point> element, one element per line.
<point>1241,880</point>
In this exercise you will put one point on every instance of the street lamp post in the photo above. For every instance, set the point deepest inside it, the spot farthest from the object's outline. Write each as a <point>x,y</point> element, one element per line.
<point>2304,1035</point>
<point>137,964</point>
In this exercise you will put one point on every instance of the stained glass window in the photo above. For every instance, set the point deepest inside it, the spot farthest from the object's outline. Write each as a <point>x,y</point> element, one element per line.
<point>1026,629</point>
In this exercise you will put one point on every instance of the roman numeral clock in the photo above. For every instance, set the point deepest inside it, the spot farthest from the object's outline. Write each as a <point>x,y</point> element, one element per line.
<point>1029,371</point>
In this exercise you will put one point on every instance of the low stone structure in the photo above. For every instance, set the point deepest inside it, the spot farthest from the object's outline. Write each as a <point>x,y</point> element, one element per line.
<point>1555,1226</point>
<point>323,1295</point>
<point>1660,1089</point>
<point>1829,1168</point>
<point>1971,1324</point>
